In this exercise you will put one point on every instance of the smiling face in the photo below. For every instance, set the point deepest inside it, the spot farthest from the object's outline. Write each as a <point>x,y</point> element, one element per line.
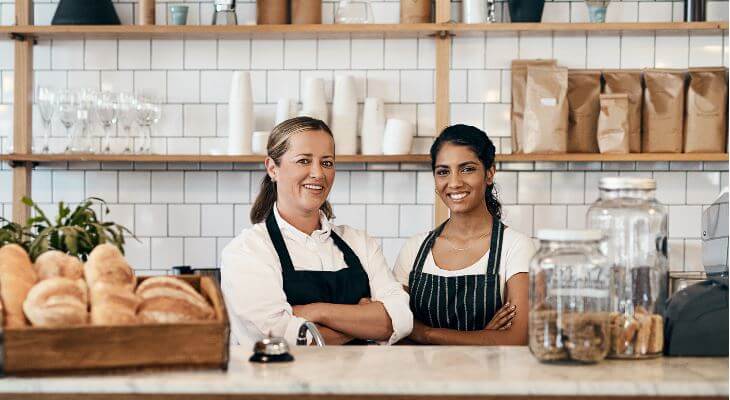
<point>305,172</point>
<point>460,178</point>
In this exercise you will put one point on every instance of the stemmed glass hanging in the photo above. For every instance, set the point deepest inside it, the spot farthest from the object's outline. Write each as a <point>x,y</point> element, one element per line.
<point>46,101</point>
<point>148,114</point>
<point>107,111</point>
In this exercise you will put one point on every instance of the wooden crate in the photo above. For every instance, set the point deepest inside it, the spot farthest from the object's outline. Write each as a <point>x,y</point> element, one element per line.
<point>34,350</point>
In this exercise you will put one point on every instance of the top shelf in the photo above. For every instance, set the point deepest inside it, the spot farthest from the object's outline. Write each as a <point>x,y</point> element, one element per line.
<point>329,30</point>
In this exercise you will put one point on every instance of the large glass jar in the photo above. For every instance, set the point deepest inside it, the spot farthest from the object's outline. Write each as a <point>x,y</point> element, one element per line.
<point>635,226</point>
<point>569,297</point>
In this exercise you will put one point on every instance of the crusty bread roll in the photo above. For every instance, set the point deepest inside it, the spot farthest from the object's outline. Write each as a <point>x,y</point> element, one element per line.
<point>17,277</point>
<point>56,302</point>
<point>171,300</point>
<point>113,305</point>
<point>107,264</point>
<point>54,263</point>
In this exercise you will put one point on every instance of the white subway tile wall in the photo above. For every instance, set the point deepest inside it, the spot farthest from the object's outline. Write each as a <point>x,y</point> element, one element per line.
<point>185,213</point>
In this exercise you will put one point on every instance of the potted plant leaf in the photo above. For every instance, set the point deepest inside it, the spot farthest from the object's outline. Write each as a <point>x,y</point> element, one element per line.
<point>75,232</point>
<point>13,233</point>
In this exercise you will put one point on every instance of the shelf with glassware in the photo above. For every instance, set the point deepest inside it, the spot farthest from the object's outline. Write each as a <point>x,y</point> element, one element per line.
<point>88,114</point>
<point>330,30</point>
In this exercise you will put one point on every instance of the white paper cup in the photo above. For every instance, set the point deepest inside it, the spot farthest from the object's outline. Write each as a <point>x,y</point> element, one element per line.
<point>259,141</point>
<point>398,137</point>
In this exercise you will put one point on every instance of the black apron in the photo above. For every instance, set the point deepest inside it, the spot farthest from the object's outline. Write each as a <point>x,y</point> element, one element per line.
<point>346,286</point>
<point>464,303</point>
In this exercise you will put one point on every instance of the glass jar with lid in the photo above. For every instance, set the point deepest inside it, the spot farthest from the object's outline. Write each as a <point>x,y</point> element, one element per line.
<point>635,226</point>
<point>569,297</point>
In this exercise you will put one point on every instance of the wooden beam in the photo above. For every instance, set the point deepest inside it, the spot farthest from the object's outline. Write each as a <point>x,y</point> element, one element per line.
<point>443,11</point>
<point>23,12</point>
<point>443,104</point>
<point>22,111</point>
<point>21,188</point>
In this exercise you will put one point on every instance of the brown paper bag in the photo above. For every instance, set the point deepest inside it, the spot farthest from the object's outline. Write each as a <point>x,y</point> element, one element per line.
<point>613,124</point>
<point>663,111</point>
<point>415,11</point>
<point>705,129</point>
<point>629,82</point>
<point>584,90</point>
<point>545,127</point>
<point>519,82</point>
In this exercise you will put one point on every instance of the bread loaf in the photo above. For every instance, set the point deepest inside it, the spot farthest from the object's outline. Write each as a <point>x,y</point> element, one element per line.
<point>56,302</point>
<point>171,300</point>
<point>57,264</point>
<point>113,305</point>
<point>107,264</point>
<point>17,277</point>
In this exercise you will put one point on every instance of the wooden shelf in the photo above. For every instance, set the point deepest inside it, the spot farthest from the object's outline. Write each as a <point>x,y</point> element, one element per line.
<point>181,158</point>
<point>329,30</point>
<point>475,29</point>
<point>408,158</point>
<point>224,32</point>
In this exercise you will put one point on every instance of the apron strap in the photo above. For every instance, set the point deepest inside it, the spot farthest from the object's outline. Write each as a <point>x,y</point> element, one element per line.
<point>351,259</point>
<point>426,247</point>
<point>275,234</point>
<point>495,247</point>
<point>494,302</point>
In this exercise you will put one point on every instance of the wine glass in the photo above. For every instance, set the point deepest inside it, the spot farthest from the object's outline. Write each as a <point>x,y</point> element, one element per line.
<point>85,109</point>
<point>107,111</point>
<point>46,100</point>
<point>127,116</point>
<point>148,113</point>
<point>67,112</point>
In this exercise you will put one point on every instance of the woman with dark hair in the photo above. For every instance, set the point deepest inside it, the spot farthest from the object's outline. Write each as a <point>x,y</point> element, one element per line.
<point>294,265</point>
<point>468,277</point>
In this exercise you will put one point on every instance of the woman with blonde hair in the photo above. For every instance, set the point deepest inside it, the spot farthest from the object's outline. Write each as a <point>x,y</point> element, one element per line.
<point>294,265</point>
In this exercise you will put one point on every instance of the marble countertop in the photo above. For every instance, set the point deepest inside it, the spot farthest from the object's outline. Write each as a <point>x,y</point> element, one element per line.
<point>408,370</point>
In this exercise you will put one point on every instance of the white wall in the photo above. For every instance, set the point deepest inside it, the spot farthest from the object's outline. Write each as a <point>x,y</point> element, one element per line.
<point>184,213</point>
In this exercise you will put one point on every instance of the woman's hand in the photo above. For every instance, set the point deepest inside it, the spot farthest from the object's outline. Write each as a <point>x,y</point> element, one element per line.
<point>419,334</point>
<point>502,319</point>
<point>311,312</point>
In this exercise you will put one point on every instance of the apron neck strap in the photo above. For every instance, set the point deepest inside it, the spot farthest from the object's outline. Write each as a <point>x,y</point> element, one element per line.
<point>275,234</point>
<point>351,259</point>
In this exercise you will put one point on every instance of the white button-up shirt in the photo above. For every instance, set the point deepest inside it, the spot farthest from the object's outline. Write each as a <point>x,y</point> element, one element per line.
<point>252,281</point>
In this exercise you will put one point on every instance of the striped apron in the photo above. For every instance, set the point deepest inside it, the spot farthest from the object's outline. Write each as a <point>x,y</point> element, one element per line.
<point>464,303</point>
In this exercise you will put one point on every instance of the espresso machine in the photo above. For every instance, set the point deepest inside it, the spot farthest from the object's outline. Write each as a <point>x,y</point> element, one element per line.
<point>696,317</point>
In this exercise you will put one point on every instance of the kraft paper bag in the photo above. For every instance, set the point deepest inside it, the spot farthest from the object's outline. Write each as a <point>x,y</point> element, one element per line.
<point>613,124</point>
<point>663,116</point>
<point>705,122</point>
<point>545,127</point>
<point>519,83</point>
<point>584,91</point>
<point>629,82</point>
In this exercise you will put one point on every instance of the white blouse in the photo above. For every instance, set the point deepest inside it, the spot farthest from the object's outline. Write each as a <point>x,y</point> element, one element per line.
<point>517,251</point>
<point>252,282</point>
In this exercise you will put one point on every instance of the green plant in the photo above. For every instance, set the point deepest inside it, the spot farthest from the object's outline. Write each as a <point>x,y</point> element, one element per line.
<point>13,233</point>
<point>74,232</point>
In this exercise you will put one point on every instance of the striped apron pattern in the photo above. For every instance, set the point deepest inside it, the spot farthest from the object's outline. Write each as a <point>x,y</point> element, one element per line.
<point>464,303</point>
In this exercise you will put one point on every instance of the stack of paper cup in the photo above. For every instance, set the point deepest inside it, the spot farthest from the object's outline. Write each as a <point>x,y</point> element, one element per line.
<point>398,137</point>
<point>314,102</point>
<point>473,11</point>
<point>240,114</point>
<point>373,125</point>
<point>344,115</point>
<point>259,141</point>
<point>285,109</point>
